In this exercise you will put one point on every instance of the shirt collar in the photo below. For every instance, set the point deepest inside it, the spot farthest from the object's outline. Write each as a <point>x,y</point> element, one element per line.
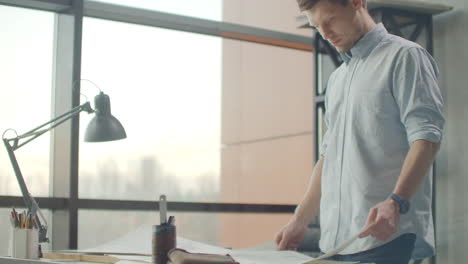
<point>366,44</point>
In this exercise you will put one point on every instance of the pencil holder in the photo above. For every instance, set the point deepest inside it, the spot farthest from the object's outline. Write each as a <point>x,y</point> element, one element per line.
<point>24,243</point>
<point>164,239</point>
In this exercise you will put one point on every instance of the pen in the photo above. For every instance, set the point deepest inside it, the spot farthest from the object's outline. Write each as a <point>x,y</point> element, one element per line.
<point>162,208</point>
<point>20,220</point>
<point>28,221</point>
<point>12,219</point>
<point>16,218</point>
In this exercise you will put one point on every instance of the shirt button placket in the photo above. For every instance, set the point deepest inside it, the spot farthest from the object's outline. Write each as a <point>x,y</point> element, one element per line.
<point>340,157</point>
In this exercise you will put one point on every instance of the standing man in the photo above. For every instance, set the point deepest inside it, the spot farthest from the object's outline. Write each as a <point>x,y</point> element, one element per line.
<point>385,122</point>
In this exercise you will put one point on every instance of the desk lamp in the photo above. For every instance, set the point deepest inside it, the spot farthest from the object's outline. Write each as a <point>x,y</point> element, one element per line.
<point>103,127</point>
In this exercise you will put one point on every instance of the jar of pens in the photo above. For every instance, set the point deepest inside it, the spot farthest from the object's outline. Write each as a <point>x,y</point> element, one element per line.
<point>24,239</point>
<point>164,234</point>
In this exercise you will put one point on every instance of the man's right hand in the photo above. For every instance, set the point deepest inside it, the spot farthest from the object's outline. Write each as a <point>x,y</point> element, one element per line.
<point>293,233</point>
<point>289,237</point>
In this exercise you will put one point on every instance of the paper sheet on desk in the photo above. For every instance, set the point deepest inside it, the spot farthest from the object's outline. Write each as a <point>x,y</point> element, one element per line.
<point>268,257</point>
<point>139,242</point>
<point>320,260</point>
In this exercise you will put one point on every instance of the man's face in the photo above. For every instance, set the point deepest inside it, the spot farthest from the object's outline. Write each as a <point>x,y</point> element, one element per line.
<point>336,23</point>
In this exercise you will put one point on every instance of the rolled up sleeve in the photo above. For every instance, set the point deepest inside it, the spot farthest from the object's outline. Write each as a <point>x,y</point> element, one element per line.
<point>418,95</point>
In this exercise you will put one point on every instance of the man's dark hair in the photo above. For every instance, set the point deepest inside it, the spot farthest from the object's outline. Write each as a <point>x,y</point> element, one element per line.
<point>308,4</point>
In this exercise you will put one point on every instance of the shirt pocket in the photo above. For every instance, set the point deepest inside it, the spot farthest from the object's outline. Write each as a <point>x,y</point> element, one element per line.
<point>377,102</point>
<point>374,108</point>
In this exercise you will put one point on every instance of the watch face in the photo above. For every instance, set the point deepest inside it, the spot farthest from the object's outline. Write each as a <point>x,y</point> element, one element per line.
<point>404,207</point>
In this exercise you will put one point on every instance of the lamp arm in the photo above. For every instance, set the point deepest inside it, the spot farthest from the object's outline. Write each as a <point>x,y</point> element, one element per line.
<point>38,131</point>
<point>11,145</point>
<point>29,201</point>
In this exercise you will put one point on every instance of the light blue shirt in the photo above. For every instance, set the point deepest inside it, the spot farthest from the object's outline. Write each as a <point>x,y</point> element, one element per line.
<point>380,100</point>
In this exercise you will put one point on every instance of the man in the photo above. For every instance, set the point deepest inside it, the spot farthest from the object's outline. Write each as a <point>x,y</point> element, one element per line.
<point>385,122</point>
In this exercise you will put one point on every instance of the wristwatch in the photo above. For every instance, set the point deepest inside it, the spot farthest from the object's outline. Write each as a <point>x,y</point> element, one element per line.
<point>402,203</point>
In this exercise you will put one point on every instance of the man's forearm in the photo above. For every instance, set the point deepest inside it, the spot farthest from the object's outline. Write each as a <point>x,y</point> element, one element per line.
<point>310,204</point>
<point>417,162</point>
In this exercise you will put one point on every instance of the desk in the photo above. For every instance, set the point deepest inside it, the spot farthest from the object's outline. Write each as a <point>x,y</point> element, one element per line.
<point>140,240</point>
<point>7,260</point>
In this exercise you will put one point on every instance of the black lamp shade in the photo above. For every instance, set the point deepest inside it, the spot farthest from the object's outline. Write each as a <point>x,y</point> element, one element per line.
<point>104,126</point>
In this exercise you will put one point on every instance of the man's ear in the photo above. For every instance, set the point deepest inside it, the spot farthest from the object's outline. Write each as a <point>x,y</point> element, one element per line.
<point>357,4</point>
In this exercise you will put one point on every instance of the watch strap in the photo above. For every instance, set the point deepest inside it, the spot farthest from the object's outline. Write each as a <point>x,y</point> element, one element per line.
<point>402,203</point>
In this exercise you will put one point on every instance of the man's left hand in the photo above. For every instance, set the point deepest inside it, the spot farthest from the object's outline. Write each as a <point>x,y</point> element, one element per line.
<point>383,220</point>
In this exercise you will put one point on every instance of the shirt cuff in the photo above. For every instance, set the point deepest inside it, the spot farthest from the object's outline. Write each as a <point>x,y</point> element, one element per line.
<point>432,135</point>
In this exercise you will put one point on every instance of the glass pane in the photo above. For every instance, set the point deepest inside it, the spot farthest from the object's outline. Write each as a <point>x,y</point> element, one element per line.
<point>220,229</point>
<point>206,9</point>
<point>26,85</point>
<point>6,229</point>
<point>267,123</point>
<point>168,96</point>
<point>165,90</point>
